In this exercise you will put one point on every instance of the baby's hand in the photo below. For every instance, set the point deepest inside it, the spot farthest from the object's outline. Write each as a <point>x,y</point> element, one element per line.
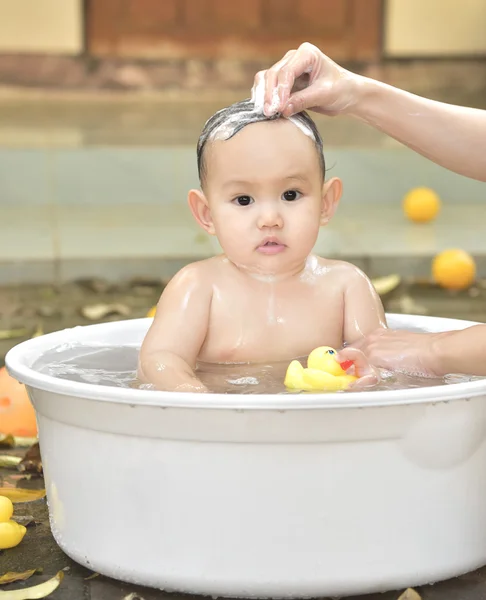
<point>367,375</point>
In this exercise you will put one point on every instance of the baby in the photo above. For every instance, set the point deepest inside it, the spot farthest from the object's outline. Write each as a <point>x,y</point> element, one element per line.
<point>264,196</point>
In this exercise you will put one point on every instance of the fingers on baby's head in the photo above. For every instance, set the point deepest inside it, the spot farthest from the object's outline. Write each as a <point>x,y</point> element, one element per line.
<point>227,122</point>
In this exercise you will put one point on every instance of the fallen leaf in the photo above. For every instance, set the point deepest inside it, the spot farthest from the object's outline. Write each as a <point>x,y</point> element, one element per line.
<point>385,285</point>
<point>94,312</point>
<point>10,441</point>
<point>35,592</point>
<point>25,442</point>
<point>26,520</point>
<point>7,441</point>
<point>32,461</point>
<point>38,331</point>
<point>410,594</point>
<point>10,334</point>
<point>22,495</point>
<point>12,576</point>
<point>9,462</point>
<point>133,596</point>
<point>92,576</point>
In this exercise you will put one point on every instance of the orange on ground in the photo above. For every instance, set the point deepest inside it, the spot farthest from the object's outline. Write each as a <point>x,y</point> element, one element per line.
<point>421,205</point>
<point>454,269</point>
<point>17,415</point>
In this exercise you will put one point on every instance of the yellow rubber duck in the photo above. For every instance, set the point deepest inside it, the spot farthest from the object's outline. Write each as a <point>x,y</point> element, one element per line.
<point>323,372</point>
<point>11,532</point>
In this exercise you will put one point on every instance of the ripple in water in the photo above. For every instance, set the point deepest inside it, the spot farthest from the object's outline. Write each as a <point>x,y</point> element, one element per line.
<point>116,366</point>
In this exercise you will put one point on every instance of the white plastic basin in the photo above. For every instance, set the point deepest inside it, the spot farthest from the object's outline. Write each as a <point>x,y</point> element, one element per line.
<point>268,495</point>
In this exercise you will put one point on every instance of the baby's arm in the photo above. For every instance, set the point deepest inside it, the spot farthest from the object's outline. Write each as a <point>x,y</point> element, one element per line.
<point>363,313</point>
<point>363,309</point>
<point>170,349</point>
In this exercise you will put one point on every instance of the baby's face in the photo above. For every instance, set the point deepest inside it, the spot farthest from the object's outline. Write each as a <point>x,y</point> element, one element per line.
<point>265,192</point>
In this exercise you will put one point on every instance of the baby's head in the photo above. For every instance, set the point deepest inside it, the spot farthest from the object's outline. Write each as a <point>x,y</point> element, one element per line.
<point>227,122</point>
<point>263,189</point>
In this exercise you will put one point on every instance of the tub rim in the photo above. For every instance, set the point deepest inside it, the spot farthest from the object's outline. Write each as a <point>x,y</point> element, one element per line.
<point>21,356</point>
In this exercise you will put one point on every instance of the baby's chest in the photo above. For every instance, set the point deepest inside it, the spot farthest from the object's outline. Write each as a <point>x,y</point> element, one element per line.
<point>272,327</point>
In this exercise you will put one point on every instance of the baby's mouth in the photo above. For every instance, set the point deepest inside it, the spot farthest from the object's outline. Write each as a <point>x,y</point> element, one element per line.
<point>271,246</point>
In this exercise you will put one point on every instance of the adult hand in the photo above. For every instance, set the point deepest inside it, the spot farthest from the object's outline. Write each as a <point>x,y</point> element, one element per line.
<point>306,79</point>
<point>367,375</point>
<point>451,136</point>
<point>402,351</point>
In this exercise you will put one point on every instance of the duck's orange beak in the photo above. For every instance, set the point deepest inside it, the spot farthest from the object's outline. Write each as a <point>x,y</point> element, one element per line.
<point>346,364</point>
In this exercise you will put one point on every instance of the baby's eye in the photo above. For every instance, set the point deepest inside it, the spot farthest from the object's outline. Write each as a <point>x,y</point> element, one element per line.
<point>331,352</point>
<point>243,200</point>
<point>290,195</point>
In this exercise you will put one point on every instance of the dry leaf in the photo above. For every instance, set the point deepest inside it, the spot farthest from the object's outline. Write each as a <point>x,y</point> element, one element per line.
<point>385,285</point>
<point>22,495</point>
<point>11,576</point>
<point>133,596</point>
<point>10,334</point>
<point>25,442</point>
<point>94,312</point>
<point>410,594</point>
<point>7,441</point>
<point>38,331</point>
<point>10,441</point>
<point>32,461</point>
<point>26,520</point>
<point>92,576</point>
<point>35,592</point>
<point>9,462</point>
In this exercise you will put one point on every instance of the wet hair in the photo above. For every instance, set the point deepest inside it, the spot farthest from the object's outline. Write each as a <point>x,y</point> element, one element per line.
<point>226,123</point>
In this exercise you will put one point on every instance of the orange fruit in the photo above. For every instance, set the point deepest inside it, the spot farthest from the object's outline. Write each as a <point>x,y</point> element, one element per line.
<point>421,205</point>
<point>151,312</point>
<point>454,269</point>
<point>17,415</point>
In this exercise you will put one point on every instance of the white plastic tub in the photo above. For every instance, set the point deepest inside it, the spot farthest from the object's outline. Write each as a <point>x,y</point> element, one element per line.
<point>271,495</point>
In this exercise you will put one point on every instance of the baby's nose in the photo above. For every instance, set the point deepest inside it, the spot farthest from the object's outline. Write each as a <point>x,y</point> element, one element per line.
<point>270,217</point>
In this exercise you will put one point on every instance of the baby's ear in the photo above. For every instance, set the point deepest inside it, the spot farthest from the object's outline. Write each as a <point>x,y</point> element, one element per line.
<point>200,209</point>
<point>331,194</point>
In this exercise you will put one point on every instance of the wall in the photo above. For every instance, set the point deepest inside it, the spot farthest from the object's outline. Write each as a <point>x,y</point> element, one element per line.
<point>411,28</point>
<point>41,26</point>
<point>434,28</point>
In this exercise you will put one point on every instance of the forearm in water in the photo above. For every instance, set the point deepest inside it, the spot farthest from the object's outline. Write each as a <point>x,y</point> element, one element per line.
<point>169,372</point>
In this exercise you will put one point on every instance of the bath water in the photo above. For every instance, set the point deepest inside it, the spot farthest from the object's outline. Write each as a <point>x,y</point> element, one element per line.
<point>116,366</point>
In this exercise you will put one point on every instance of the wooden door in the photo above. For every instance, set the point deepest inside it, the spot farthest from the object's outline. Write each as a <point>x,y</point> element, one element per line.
<point>347,30</point>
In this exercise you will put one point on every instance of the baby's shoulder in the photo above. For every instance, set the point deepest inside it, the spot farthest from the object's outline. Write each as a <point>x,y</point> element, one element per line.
<point>201,274</point>
<point>338,275</point>
<point>336,269</point>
